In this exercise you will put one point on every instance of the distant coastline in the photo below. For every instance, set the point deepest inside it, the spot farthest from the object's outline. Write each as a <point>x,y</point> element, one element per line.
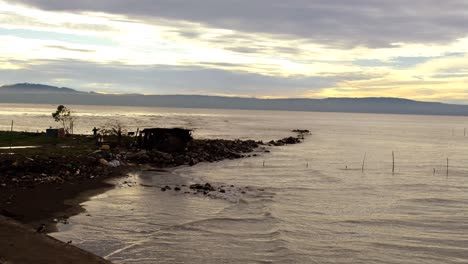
<point>43,94</point>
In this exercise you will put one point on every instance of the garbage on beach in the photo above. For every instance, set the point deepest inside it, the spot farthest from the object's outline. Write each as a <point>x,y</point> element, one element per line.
<point>104,162</point>
<point>114,163</point>
<point>105,147</point>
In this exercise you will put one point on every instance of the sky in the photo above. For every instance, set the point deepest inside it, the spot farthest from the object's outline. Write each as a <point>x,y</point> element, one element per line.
<point>258,48</point>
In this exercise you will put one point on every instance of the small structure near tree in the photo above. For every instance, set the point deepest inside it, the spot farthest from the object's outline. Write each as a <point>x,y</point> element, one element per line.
<point>55,132</point>
<point>165,139</point>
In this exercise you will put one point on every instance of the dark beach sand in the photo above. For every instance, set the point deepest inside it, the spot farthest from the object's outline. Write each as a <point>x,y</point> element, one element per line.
<point>22,244</point>
<point>25,209</point>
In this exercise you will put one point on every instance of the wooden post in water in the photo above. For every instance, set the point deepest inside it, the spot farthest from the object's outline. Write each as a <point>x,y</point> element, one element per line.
<point>264,164</point>
<point>363,161</point>
<point>11,134</point>
<point>447,166</point>
<point>393,162</point>
<point>464,132</point>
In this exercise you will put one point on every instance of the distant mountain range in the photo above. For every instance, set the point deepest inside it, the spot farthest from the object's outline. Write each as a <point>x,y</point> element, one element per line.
<point>35,88</point>
<point>44,94</point>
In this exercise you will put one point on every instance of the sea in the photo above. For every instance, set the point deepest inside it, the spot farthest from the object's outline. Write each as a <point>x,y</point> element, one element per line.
<point>361,188</point>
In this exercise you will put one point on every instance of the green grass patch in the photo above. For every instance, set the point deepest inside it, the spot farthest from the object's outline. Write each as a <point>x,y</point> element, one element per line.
<point>48,146</point>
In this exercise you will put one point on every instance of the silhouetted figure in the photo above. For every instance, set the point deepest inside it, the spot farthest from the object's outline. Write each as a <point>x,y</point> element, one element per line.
<point>95,130</point>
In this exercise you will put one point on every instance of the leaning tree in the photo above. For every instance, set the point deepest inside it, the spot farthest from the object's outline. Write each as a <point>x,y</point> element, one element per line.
<point>63,115</point>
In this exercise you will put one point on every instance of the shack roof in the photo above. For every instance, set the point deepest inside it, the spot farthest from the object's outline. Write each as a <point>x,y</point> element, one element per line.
<point>159,129</point>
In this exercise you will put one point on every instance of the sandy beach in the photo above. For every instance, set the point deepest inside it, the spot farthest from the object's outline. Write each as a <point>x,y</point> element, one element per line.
<point>22,244</point>
<point>26,209</point>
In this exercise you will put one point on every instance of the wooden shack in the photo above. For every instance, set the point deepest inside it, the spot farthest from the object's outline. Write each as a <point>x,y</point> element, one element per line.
<point>164,139</point>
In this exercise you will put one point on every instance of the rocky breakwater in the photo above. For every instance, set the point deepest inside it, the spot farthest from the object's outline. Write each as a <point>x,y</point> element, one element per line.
<point>210,150</point>
<point>199,150</point>
<point>20,171</point>
<point>34,185</point>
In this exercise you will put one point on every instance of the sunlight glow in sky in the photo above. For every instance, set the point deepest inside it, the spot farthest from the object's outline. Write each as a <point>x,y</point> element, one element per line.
<point>267,49</point>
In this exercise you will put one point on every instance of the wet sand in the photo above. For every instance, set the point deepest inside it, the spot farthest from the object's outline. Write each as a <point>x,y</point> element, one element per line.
<point>25,209</point>
<point>22,244</point>
<point>43,203</point>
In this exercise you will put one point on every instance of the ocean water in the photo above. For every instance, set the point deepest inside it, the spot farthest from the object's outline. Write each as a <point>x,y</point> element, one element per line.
<point>305,203</point>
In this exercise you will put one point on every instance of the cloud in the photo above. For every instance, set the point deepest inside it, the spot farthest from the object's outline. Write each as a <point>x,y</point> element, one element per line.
<point>257,48</point>
<point>68,49</point>
<point>342,23</point>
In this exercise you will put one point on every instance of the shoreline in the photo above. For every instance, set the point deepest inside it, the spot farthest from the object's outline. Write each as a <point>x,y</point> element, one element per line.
<point>41,199</point>
<point>44,203</point>
<point>38,248</point>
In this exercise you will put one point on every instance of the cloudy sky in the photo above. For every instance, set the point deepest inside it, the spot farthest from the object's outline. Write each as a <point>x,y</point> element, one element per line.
<point>262,48</point>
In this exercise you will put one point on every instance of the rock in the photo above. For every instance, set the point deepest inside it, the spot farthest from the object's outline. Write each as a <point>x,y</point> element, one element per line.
<point>176,189</point>
<point>163,189</point>
<point>208,187</point>
<point>196,186</point>
<point>140,156</point>
<point>103,162</point>
<point>114,163</point>
<point>222,191</point>
<point>301,131</point>
<point>160,154</point>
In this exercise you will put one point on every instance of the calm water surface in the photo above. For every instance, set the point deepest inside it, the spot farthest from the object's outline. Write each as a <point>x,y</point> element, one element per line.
<point>311,203</point>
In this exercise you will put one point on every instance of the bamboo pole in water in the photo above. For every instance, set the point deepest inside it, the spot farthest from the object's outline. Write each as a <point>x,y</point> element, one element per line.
<point>393,162</point>
<point>447,165</point>
<point>363,161</point>
<point>11,132</point>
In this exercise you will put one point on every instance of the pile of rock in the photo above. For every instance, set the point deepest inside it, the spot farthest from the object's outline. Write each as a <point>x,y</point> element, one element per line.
<point>301,131</point>
<point>285,141</point>
<point>201,150</point>
<point>17,171</point>
<point>20,171</point>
